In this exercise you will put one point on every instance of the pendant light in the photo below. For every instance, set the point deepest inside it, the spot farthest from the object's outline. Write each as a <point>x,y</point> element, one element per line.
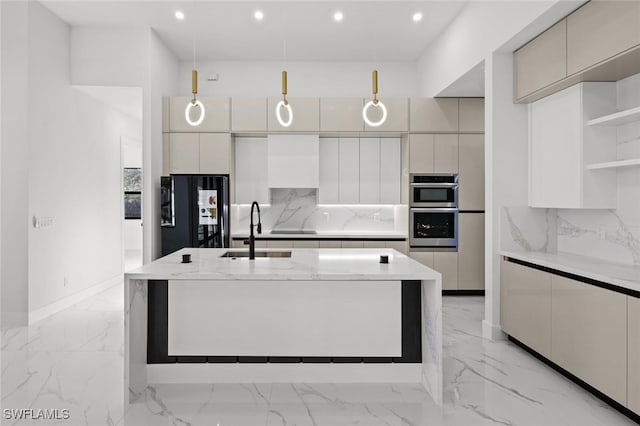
<point>284,104</point>
<point>194,103</point>
<point>374,103</point>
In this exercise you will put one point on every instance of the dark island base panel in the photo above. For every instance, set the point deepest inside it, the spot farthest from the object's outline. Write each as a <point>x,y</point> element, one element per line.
<point>157,334</point>
<point>613,403</point>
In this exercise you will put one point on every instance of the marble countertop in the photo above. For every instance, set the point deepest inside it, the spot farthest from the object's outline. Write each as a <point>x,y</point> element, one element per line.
<point>361,235</point>
<point>625,276</point>
<point>304,265</point>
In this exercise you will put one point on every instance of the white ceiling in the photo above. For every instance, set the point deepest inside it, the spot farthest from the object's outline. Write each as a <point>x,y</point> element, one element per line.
<point>291,30</point>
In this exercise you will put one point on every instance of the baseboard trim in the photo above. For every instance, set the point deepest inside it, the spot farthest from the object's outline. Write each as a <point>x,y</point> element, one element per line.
<point>492,331</point>
<point>463,292</point>
<point>55,307</point>
<point>612,402</point>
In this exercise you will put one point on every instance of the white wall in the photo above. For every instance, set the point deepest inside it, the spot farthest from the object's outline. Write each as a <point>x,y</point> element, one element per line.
<point>14,168</point>
<point>505,171</point>
<point>124,57</point>
<point>480,29</point>
<point>311,79</point>
<point>74,173</point>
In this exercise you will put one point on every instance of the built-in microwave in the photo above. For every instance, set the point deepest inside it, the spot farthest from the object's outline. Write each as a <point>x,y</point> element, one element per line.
<point>435,228</point>
<point>434,190</point>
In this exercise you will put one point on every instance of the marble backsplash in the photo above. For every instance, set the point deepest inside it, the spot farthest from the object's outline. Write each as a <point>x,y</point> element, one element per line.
<point>527,229</point>
<point>298,209</point>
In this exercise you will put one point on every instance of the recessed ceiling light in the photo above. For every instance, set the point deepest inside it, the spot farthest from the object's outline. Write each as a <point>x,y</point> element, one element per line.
<point>417,17</point>
<point>258,15</point>
<point>338,16</point>
<point>179,15</point>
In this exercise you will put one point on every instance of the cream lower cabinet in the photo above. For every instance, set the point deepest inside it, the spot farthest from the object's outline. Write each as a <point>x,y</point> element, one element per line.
<point>525,305</point>
<point>633,347</point>
<point>444,262</point>
<point>589,335</point>
<point>471,251</point>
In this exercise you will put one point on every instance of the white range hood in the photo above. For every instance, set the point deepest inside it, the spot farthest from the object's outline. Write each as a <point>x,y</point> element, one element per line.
<point>293,161</point>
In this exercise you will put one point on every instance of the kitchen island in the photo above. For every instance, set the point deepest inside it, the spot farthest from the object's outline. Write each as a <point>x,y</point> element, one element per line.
<point>302,315</point>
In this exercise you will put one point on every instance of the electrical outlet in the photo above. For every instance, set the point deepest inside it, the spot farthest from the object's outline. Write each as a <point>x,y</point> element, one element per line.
<point>65,281</point>
<point>43,222</point>
<point>213,77</point>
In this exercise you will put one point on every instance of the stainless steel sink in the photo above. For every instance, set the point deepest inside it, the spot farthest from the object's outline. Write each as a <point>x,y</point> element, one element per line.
<point>245,253</point>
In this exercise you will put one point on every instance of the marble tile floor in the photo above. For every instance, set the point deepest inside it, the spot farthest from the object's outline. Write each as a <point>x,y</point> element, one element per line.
<point>73,360</point>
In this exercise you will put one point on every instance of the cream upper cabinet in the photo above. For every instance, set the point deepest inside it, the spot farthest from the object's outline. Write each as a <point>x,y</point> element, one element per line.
<point>329,190</point>
<point>421,153</point>
<point>542,61</point>
<point>349,170</point>
<point>446,263</point>
<point>525,305</point>
<point>397,115</point>
<point>633,345</point>
<point>471,172</point>
<point>341,115</point>
<point>589,335</point>
<point>369,170</point>
<point>433,115</point>
<point>216,117</point>
<point>445,154</point>
<point>471,251</point>
<point>471,114</point>
<point>562,146</point>
<point>184,153</point>
<point>215,153</point>
<point>306,115</point>
<point>251,170</point>
<point>599,30</point>
<point>248,115</point>
<point>390,170</point>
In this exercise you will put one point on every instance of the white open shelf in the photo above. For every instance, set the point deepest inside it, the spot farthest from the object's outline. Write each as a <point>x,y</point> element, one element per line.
<point>615,164</point>
<point>619,118</point>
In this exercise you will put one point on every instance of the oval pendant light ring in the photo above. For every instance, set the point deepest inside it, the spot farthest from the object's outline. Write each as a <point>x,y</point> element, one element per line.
<point>279,107</point>
<point>187,116</point>
<point>378,104</point>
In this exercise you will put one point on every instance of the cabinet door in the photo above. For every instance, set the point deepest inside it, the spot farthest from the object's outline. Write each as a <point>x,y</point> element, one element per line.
<point>341,115</point>
<point>471,251</point>
<point>633,383</point>
<point>329,190</point>
<point>555,150</point>
<point>306,244</point>
<point>390,170</point>
<point>471,172</point>
<point>349,171</point>
<point>184,153</point>
<point>401,246</point>
<point>433,115</point>
<point>249,115</point>
<point>166,154</point>
<point>373,244</point>
<point>279,243</point>
<point>216,117</point>
<point>471,114</point>
<point>251,170</point>
<point>369,170</point>
<point>215,153</point>
<point>397,115</point>
<point>330,244</point>
<point>600,30</point>
<point>447,264</point>
<point>421,153</point>
<point>589,335</point>
<point>424,257</point>
<point>306,115</point>
<point>445,154</point>
<point>542,61</point>
<point>525,305</point>
<point>352,244</point>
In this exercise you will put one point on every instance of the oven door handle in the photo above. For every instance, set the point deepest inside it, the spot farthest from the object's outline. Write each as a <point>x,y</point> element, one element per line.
<point>434,185</point>
<point>434,210</point>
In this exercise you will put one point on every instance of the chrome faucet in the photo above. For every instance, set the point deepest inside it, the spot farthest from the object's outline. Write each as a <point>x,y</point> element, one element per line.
<point>252,238</point>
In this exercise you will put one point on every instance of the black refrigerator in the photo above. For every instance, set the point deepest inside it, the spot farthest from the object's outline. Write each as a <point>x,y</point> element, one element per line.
<point>194,211</point>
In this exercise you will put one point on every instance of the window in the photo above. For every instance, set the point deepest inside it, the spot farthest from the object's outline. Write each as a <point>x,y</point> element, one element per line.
<point>132,178</point>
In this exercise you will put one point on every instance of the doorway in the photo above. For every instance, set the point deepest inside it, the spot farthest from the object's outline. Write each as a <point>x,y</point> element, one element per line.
<point>132,203</point>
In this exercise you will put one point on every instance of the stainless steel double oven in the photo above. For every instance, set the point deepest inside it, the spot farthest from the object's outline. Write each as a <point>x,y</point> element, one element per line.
<point>433,210</point>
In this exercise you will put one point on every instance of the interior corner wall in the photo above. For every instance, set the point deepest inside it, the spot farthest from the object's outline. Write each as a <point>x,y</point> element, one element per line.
<point>164,72</point>
<point>506,168</point>
<point>305,79</point>
<point>480,29</point>
<point>14,268</point>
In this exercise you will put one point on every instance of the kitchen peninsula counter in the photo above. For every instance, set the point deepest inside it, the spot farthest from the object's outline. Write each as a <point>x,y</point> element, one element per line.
<point>321,315</point>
